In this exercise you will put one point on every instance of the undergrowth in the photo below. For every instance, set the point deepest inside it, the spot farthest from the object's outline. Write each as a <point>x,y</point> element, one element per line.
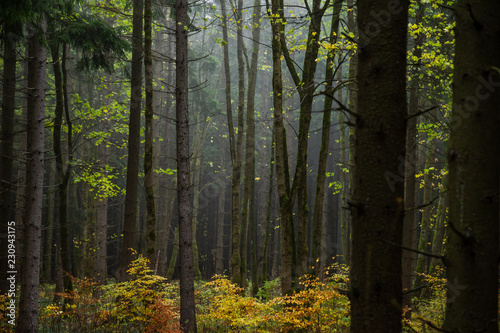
<point>150,303</point>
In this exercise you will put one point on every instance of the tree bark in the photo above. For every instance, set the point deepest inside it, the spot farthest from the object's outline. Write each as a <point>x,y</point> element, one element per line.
<point>28,304</point>
<point>377,205</point>
<point>149,180</point>
<point>472,249</point>
<point>248,203</point>
<point>410,164</point>
<point>184,206</point>
<point>134,136</point>
<point>325,142</point>
<point>288,259</point>
<point>6,147</point>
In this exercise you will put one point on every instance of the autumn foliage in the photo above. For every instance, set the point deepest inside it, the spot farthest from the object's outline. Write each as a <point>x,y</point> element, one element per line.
<point>150,303</point>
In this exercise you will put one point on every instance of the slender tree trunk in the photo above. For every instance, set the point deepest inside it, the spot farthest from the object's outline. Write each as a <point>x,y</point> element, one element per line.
<point>248,204</point>
<point>439,228</point>
<point>425,225</point>
<point>149,137</point>
<point>28,305</point>
<point>6,147</point>
<point>134,135</point>
<point>62,174</point>
<point>46,274</point>
<point>269,205</point>
<point>353,107</point>
<point>235,260</point>
<point>239,253</point>
<point>472,249</point>
<point>221,214</point>
<point>288,259</point>
<point>175,255</point>
<point>325,142</point>
<point>410,164</point>
<point>184,206</point>
<point>306,87</point>
<point>377,205</point>
<point>344,223</point>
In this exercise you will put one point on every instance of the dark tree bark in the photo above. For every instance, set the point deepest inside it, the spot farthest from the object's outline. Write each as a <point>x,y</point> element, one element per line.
<point>317,229</point>
<point>235,260</point>
<point>238,255</point>
<point>288,259</point>
<point>134,135</point>
<point>149,137</point>
<point>410,225</point>
<point>248,203</point>
<point>28,305</point>
<point>472,249</point>
<point>376,204</point>
<point>6,146</point>
<point>185,210</point>
<point>63,174</point>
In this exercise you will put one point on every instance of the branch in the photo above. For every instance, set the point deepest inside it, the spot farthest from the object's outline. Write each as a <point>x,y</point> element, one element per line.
<point>433,326</point>
<point>342,106</point>
<point>432,255</point>
<point>416,114</point>
<point>424,204</point>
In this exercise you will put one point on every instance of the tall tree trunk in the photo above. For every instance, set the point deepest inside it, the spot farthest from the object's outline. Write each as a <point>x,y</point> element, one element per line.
<point>6,146</point>
<point>46,273</point>
<point>325,142</point>
<point>353,107</point>
<point>439,228</point>
<point>472,249</point>
<point>238,255</point>
<point>28,305</point>
<point>235,260</point>
<point>410,164</point>
<point>377,206</point>
<point>306,87</point>
<point>221,214</point>
<point>62,174</point>
<point>134,136</point>
<point>184,208</point>
<point>149,137</point>
<point>425,225</point>
<point>344,223</point>
<point>288,259</point>
<point>167,181</point>
<point>266,254</point>
<point>248,203</point>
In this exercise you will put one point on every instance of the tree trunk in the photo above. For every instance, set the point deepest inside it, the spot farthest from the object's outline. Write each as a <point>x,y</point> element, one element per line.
<point>149,137</point>
<point>472,249</point>
<point>306,87</point>
<point>288,259</point>
<point>238,255</point>
<point>266,254</point>
<point>28,300</point>
<point>377,205</point>
<point>62,174</point>
<point>134,136</point>
<point>248,203</point>
<point>325,142</point>
<point>353,108</point>
<point>6,147</point>
<point>425,225</point>
<point>344,223</point>
<point>410,164</point>
<point>439,229</point>
<point>184,208</point>
<point>221,214</point>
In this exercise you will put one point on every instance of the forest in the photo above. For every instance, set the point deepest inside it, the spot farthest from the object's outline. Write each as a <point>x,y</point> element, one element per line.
<point>250,166</point>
